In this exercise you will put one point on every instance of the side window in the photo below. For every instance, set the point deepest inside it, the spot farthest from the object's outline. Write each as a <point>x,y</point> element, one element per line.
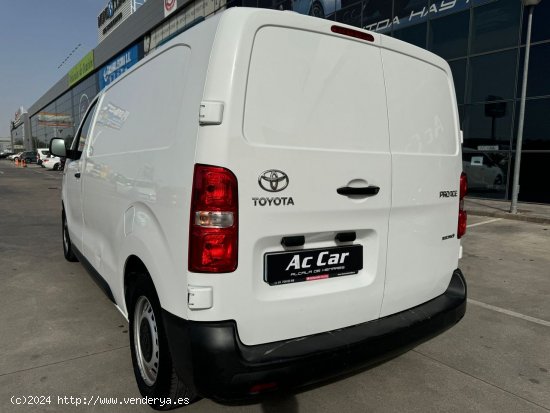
<point>80,140</point>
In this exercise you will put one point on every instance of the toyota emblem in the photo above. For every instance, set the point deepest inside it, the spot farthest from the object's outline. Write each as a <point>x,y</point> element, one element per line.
<point>273,180</point>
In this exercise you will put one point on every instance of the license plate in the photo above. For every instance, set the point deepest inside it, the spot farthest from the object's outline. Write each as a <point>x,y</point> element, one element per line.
<point>310,265</point>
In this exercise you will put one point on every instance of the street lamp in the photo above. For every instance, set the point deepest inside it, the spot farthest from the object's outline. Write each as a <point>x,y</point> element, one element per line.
<point>515,185</point>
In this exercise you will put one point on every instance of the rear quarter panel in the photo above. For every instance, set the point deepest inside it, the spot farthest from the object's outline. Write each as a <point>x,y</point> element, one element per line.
<point>139,166</point>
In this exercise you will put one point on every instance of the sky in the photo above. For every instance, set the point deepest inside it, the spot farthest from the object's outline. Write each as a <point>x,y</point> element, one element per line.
<point>35,38</point>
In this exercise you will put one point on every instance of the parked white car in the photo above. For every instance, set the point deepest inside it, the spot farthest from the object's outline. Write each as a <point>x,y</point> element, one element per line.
<point>41,154</point>
<point>281,205</point>
<point>316,8</point>
<point>15,156</point>
<point>483,172</point>
<point>52,162</point>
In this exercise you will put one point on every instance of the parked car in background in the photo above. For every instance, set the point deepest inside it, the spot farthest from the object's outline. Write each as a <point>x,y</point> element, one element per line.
<point>316,8</point>
<point>53,163</point>
<point>28,156</point>
<point>484,173</point>
<point>4,155</point>
<point>15,156</point>
<point>41,154</point>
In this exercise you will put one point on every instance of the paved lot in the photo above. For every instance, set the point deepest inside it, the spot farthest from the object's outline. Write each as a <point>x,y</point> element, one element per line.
<point>60,336</point>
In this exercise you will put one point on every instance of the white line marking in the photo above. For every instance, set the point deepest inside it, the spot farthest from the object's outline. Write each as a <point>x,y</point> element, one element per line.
<point>2,172</point>
<point>45,174</point>
<point>483,223</point>
<point>510,313</point>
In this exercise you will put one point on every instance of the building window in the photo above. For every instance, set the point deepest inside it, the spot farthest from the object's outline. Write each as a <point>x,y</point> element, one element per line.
<point>539,70</point>
<point>495,25</point>
<point>488,126</point>
<point>83,94</point>
<point>415,35</point>
<point>534,166</point>
<point>541,29</point>
<point>536,130</point>
<point>449,35</point>
<point>492,77</point>
<point>410,12</point>
<point>487,172</point>
<point>350,15</point>
<point>377,15</point>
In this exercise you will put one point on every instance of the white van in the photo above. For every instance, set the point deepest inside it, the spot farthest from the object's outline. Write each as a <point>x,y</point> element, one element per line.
<point>271,200</point>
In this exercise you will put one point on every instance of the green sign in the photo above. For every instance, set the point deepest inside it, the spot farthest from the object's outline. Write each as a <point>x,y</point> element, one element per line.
<point>82,68</point>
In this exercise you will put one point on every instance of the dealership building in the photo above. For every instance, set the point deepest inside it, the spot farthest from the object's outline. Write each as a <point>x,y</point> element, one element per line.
<point>483,41</point>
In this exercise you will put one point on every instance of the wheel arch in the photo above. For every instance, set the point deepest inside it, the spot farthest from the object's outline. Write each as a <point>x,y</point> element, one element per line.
<point>133,266</point>
<point>144,246</point>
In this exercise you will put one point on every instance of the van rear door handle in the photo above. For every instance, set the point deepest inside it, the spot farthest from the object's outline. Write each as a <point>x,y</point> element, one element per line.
<point>77,175</point>
<point>365,190</point>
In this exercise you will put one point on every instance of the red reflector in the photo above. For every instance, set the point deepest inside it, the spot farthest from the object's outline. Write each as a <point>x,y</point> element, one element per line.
<point>352,33</point>
<point>462,220</point>
<point>213,248</point>
<point>463,185</point>
<point>257,388</point>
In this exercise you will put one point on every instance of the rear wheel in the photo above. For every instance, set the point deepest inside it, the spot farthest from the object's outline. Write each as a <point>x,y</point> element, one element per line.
<point>67,245</point>
<point>151,358</point>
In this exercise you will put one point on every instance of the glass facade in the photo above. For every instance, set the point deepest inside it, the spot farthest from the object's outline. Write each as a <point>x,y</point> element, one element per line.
<point>18,136</point>
<point>61,118</point>
<point>483,42</point>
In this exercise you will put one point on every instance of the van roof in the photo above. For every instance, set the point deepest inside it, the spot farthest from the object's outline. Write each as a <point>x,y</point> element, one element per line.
<point>236,17</point>
<point>233,20</point>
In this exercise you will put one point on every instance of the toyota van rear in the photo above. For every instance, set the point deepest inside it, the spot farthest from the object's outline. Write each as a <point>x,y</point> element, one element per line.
<point>312,226</point>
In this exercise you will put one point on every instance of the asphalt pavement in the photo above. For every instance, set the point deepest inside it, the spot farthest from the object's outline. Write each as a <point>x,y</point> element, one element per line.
<point>61,337</point>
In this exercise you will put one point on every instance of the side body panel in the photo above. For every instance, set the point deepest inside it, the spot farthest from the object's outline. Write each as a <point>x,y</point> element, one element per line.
<point>139,165</point>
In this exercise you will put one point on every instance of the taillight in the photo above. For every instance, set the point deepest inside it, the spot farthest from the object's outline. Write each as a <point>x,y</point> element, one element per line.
<point>462,216</point>
<point>213,227</point>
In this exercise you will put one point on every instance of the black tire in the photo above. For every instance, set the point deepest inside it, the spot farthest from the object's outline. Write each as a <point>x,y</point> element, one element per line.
<point>56,167</point>
<point>316,10</point>
<point>148,343</point>
<point>67,245</point>
<point>498,180</point>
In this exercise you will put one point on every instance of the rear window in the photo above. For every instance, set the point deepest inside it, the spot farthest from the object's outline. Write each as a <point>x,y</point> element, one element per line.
<point>315,90</point>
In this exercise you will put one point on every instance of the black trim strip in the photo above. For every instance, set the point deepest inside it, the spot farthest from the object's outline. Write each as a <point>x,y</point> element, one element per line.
<point>98,279</point>
<point>365,191</point>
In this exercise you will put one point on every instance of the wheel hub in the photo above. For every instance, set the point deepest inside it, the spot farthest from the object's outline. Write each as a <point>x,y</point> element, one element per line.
<point>146,340</point>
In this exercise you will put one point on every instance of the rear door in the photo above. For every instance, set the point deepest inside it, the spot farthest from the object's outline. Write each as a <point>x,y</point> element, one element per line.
<point>314,124</point>
<point>426,166</point>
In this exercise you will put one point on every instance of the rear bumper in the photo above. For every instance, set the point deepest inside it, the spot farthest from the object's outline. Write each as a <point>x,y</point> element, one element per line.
<point>211,355</point>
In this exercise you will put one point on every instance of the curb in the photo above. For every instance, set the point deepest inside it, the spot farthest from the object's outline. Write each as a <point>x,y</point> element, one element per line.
<point>507,215</point>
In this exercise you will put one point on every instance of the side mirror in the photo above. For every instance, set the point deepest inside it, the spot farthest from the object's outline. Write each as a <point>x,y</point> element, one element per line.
<point>57,147</point>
